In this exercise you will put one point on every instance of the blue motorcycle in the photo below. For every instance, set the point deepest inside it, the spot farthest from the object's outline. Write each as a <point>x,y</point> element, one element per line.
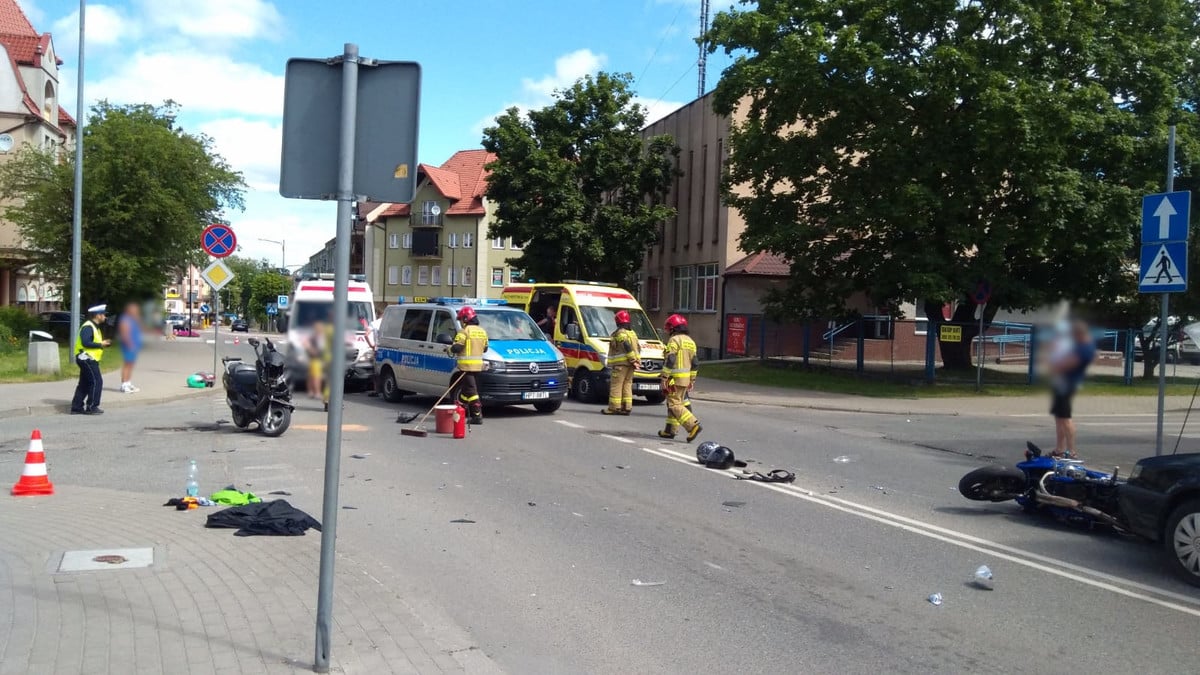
<point>1060,487</point>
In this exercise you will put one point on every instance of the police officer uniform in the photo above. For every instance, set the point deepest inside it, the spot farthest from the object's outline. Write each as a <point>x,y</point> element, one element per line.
<point>89,351</point>
<point>470,343</point>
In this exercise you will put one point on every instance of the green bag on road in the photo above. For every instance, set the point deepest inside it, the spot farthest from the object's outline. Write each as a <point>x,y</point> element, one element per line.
<point>234,497</point>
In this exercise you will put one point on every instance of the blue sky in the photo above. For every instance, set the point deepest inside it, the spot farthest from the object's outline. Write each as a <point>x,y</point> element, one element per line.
<point>223,60</point>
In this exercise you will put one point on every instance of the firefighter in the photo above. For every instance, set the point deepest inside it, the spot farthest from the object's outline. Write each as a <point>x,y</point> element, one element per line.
<point>469,345</point>
<point>624,358</point>
<point>678,371</point>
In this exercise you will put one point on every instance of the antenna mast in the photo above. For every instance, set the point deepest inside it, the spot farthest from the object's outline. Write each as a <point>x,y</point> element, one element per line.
<point>703,61</point>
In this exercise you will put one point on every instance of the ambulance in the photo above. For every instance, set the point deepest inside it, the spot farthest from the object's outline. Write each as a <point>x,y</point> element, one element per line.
<point>583,320</point>
<point>312,301</point>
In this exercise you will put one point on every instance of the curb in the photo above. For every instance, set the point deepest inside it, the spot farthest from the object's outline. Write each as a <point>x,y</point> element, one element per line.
<point>63,409</point>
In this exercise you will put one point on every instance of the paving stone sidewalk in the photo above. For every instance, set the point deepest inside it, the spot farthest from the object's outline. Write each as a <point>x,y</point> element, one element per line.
<point>210,603</point>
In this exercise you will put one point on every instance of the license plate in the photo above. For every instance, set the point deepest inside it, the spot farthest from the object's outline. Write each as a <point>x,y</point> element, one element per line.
<point>649,386</point>
<point>535,395</point>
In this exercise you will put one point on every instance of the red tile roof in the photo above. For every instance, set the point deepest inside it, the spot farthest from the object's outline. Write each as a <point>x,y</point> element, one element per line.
<point>762,264</point>
<point>13,21</point>
<point>446,182</point>
<point>396,210</point>
<point>65,119</point>
<point>472,178</point>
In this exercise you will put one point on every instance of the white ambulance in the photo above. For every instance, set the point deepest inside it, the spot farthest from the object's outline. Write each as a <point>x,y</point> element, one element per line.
<point>312,301</point>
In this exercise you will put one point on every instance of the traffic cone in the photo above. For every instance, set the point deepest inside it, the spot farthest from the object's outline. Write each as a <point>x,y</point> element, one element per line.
<point>34,480</point>
<point>235,340</point>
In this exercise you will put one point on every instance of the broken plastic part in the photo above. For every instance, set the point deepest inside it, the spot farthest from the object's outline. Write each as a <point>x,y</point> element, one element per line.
<point>843,459</point>
<point>984,578</point>
<point>936,599</point>
<point>639,582</point>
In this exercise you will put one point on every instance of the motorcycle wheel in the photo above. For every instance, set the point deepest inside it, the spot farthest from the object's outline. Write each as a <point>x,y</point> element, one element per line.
<point>240,419</point>
<point>275,421</point>
<point>1182,541</point>
<point>992,484</point>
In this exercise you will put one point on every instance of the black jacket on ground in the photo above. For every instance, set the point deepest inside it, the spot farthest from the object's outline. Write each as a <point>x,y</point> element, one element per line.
<point>277,518</point>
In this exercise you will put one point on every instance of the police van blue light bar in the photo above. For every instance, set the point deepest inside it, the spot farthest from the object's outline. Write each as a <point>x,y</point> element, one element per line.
<point>480,302</point>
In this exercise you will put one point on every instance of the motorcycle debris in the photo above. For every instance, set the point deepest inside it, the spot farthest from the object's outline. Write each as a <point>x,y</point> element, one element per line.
<point>639,582</point>
<point>350,508</point>
<point>936,599</point>
<point>733,504</point>
<point>462,521</point>
<point>843,459</point>
<point>280,492</point>
<point>984,578</point>
<point>362,456</point>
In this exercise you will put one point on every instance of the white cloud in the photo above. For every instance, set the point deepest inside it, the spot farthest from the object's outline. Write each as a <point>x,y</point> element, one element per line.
<point>106,26</point>
<point>656,110</point>
<point>568,68</point>
<point>304,225</point>
<point>236,19</point>
<point>200,82</point>
<point>250,146</point>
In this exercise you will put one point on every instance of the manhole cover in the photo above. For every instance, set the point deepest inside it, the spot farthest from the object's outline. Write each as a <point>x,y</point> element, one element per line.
<point>106,559</point>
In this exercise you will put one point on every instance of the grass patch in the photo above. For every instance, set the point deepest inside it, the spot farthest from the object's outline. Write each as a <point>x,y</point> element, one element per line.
<point>13,364</point>
<point>910,384</point>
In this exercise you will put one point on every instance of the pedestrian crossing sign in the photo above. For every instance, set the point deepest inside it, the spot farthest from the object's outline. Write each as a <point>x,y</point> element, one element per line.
<point>1164,268</point>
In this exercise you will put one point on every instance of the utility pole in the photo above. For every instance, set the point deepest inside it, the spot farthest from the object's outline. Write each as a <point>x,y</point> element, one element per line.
<point>77,209</point>
<point>703,60</point>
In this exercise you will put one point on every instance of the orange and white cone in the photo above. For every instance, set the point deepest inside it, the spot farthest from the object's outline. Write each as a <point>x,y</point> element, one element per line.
<point>235,340</point>
<point>34,480</point>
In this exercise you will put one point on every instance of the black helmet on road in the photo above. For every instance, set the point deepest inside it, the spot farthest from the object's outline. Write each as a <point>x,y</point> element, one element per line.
<point>705,449</point>
<point>720,458</point>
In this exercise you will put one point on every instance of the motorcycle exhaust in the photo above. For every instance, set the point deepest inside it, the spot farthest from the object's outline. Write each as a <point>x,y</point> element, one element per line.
<point>1054,500</point>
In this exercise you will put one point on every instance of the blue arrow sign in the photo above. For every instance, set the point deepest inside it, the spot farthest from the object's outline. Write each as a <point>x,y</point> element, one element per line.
<point>204,309</point>
<point>1164,267</point>
<point>1165,217</point>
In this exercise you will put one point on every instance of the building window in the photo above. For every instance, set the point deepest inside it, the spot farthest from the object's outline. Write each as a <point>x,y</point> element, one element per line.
<point>406,240</point>
<point>428,215</point>
<point>652,293</point>
<point>393,275</point>
<point>48,107</point>
<point>515,276</point>
<point>406,275</point>
<point>706,287</point>
<point>394,240</point>
<point>921,321</point>
<point>468,276</point>
<point>468,240</point>
<point>512,244</point>
<point>437,276</point>
<point>423,275</point>
<point>452,240</point>
<point>452,276</point>
<point>498,243</point>
<point>681,291</point>
<point>497,277</point>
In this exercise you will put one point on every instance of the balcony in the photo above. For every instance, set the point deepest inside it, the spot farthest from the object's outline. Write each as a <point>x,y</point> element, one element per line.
<point>425,220</point>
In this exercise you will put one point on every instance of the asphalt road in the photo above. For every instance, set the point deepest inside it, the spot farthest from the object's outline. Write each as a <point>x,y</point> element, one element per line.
<point>831,574</point>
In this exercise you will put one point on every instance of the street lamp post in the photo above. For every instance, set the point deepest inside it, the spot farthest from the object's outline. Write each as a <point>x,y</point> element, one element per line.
<point>282,251</point>
<point>77,207</point>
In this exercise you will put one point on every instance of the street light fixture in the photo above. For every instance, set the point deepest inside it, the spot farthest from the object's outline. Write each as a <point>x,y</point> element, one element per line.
<point>282,250</point>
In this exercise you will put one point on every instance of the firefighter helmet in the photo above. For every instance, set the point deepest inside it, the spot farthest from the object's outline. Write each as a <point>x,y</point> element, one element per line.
<point>622,317</point>
<point>466,314</point>
<point>675,321</point>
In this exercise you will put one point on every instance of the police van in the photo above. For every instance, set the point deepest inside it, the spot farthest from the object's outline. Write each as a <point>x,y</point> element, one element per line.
<point>311,302</point>
<point>520,366</point>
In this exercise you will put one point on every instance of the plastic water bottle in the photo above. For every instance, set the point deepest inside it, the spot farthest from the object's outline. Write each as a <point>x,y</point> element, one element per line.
<point>984,578</point>
<point>193,482</point>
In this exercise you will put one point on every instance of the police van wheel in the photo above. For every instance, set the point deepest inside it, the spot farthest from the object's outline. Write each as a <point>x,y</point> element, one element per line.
<point>391,390</point>
<point>547,407</point>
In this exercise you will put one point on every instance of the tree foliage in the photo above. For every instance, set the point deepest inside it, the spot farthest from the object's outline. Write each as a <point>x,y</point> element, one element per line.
<point>150,187</point>
<point>265,288</point>
<point>576,184</point>
<point>903,149</point>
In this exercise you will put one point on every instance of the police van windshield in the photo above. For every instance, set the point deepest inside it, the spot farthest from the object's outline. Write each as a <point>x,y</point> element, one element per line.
<point>509,325</point>
<point>600,322</point>
<point>308,312</point>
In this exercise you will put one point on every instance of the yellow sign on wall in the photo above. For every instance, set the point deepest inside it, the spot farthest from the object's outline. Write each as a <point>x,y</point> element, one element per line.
<point>951,333</point>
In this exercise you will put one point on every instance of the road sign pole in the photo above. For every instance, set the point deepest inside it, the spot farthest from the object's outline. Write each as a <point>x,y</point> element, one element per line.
<point>337,381</point>
<point>1163,315</point>
<point>77,203</point>
<point>216,306</point>
<point>979,351</point>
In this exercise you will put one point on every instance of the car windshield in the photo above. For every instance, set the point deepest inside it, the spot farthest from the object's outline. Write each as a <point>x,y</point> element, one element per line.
<point>509,325</point>
<point>600,322</point>
<point>308,312</point>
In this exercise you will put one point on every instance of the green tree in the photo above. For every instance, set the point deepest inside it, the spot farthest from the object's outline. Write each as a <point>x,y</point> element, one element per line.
<point>577,186</point>
<point>150,187</point>
<point>236,295</point>
<point>909,149</point>
<point>265,289</point>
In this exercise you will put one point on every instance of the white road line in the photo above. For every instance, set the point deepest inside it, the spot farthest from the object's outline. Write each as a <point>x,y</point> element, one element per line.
<point>967,541</point>
<point>570,424</point>
<point>1046,415</point>
<point>616,438</point>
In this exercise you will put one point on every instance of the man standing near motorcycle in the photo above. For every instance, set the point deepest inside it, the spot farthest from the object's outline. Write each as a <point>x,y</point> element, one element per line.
<point>1068,370</point>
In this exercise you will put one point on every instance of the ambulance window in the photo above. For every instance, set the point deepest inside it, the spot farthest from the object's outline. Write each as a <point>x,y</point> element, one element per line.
<point>416,325</point>
<point>566,317</point>
<point>443,324</point>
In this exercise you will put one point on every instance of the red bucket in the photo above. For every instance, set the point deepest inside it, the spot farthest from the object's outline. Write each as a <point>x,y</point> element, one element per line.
<point>444,419</point>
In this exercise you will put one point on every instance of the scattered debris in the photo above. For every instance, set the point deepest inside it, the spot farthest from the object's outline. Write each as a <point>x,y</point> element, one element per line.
<point>533,503</point>
<point>622,466</point>
<point>462,521</point>
<point>280,492</point>
<point>936,599</point>
<point>361,456</point>
<point>639,582</point>
<point>350,508</point>
<point>577,514</point>
<point>226,451</point>
<point>843,459</point>
<point>715,566</point>
<point>733,504</point>
<point>984,578</point>
<point>772,476</point>
<point>406,417</point>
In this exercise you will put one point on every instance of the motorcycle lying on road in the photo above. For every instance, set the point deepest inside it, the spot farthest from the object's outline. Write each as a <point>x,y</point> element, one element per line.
<point>259,393</point>
<point>1062,487</point>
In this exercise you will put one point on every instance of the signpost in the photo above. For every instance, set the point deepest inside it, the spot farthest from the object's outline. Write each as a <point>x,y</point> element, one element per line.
<point>983,293</point>
<point>349,134</point>
<point>218,275</point>
<point>1164,261</point>
<point>735,330</point>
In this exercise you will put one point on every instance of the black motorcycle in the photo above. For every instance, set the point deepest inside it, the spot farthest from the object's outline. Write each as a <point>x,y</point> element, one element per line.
<point>259,393</point>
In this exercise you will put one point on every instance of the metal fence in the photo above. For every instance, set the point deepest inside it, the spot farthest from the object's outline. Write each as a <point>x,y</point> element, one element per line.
<point>905,348</point>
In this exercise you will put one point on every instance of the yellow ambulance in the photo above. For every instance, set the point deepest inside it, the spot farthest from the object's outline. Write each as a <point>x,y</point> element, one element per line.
<point>579,317</point>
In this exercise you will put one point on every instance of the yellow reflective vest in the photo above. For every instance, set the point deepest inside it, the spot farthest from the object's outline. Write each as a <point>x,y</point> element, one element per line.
<point>96,353</point>
<point>475,342</point>
<point>623,348</point>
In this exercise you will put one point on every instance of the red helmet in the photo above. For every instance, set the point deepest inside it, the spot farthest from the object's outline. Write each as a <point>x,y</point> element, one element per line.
<point>622,317</point>
<point>466,314</point>
<point>675,321</point>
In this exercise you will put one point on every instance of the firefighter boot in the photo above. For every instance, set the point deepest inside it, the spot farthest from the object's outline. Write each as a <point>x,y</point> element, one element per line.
<point>667,432</point>
<point>476,413</point>
<point>694,432</point>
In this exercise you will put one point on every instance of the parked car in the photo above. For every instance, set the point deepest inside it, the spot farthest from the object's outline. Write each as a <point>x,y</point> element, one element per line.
<point>1161,502</point>
<point>239,326</point>
<point>175,322</point>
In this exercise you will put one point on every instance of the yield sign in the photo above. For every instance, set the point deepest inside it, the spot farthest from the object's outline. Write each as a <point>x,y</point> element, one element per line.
<point>218,240</point>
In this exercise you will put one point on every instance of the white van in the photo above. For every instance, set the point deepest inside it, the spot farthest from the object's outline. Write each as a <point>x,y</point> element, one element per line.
<point>312,301</point>
<point>521,366</point>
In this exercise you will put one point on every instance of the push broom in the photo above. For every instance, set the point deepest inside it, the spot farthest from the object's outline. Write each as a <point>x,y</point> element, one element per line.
<point>419,430</point>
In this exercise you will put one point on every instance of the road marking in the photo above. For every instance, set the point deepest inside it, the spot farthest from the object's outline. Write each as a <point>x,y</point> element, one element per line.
<point>963,540</point>
<point>1095,415</point>
<point>570,424</point>
<point>617,438</point>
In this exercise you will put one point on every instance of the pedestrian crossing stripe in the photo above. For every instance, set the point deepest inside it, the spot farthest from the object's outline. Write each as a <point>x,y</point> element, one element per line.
<point>1162,271</point>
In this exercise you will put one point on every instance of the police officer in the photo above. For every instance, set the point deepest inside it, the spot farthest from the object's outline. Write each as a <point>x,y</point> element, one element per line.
<point>678,371</point>
<point>470,342</point>
<point>89,350</point>
<point>624,358</point>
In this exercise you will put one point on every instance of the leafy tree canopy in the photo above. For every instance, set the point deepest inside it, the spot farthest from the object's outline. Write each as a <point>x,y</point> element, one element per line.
<point>577,185</point>
<point>150,187</point>
<point>908,149</point>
